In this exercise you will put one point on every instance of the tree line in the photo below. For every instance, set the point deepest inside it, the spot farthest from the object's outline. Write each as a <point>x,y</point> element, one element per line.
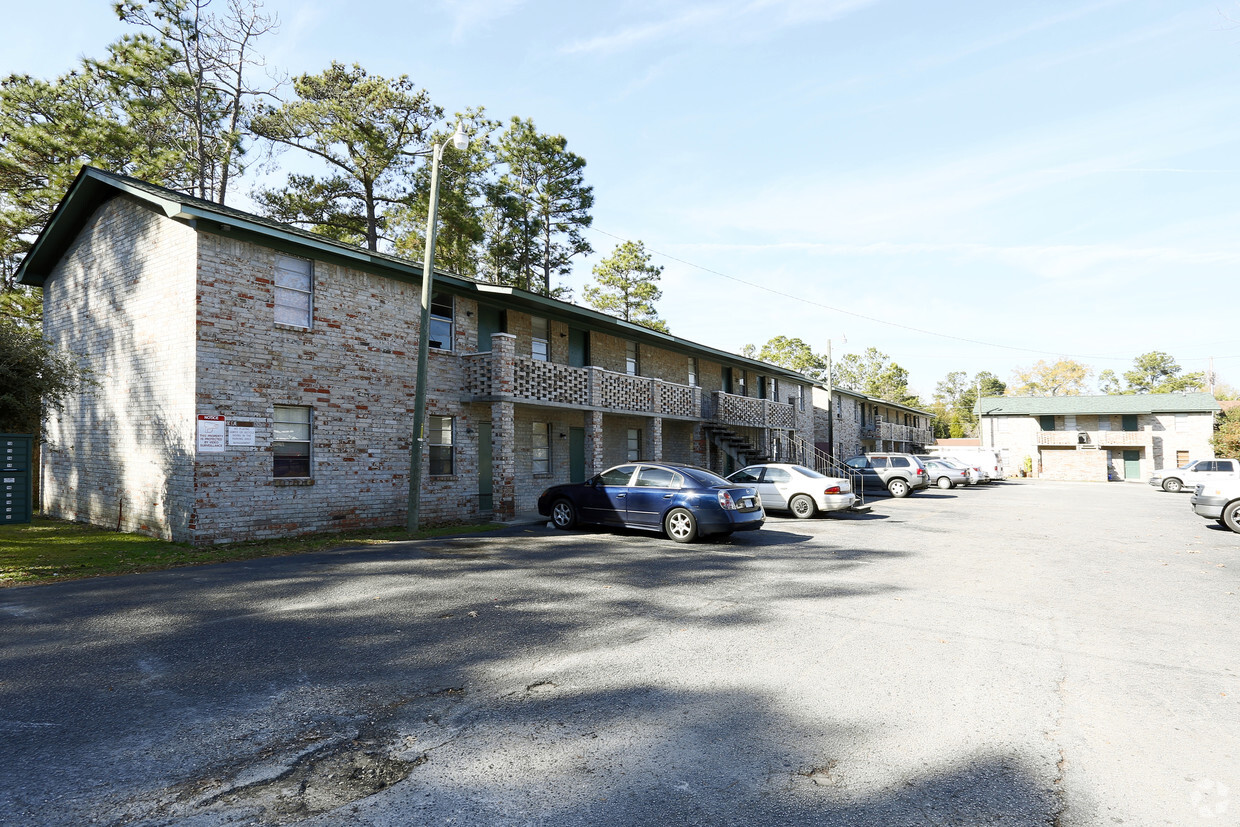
<point>954,401</point>
<point>187,101</point>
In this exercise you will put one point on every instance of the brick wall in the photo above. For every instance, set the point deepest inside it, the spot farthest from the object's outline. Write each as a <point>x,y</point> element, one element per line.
<point>122,297</point>
<point>1074,465</point>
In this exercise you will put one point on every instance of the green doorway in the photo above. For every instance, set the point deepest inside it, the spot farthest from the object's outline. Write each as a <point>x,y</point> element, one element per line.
<point>576,454</point>
<point>486,490</point>
<point>1132,465</point>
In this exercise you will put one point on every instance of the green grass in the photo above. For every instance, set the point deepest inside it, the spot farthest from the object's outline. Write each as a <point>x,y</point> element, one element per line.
<point>48,551</point>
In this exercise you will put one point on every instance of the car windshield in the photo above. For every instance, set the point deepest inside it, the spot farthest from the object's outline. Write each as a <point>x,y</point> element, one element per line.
<point>705,477</point>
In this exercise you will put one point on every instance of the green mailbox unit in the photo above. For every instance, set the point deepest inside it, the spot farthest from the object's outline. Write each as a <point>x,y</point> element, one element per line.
<point>16,475</point>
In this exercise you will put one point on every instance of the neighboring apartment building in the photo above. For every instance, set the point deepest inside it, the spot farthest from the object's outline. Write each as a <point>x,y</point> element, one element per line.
<point>847,423</point>
<point>255,380</point>
<point>1121,437</point>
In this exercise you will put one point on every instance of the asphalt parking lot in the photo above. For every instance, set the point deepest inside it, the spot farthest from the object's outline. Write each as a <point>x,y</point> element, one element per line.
<point>1019,654</point>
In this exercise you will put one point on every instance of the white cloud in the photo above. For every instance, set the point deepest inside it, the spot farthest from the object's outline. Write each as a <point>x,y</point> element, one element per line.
<point>758,16</point>
<point>470,15</point>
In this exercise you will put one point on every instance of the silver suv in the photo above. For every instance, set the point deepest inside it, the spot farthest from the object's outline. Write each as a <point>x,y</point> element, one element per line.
<point>900,474</point>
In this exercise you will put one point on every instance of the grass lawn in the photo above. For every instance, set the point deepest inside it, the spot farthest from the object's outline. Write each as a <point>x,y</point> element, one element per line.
<point>48,551</point>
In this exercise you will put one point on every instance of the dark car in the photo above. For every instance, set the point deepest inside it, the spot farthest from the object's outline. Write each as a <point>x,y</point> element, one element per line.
<point>684,501</point>
<point>900,474</point>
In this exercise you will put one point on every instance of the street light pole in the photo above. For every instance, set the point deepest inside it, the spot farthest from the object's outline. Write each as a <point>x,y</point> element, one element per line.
<point>459,140</point>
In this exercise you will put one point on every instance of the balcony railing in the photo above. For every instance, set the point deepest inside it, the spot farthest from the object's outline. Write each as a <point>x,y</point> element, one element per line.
<point>731,409</point>
<point>891,432</point>
<point>531,380</point>
<point>1094,438</point>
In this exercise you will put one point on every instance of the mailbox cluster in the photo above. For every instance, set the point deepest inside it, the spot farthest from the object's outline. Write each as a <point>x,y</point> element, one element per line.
<point>16,452</point>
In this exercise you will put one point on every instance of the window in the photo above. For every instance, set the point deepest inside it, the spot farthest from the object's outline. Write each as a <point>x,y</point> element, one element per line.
<point>693,371</point>
<point>658,478</point>
<point>631,365</point>
<point>1226,465</point>
<point>542,447</point>
<point>878,462</point>
<point>635,444</point>
<point>857,462</point>
<point>1181,423</point>
<point>760,381</point>
<point>617,476</point>
<point>441,321</point>
<point>1104,422</point>
<point>439,435</point>
<point>1181,459</point>
<point>747,475</point>
<point>900,462</point>
<point>540,347</point>
<point>740,383</point>
<point>1069,422</point>
<point>801,398</point>
<point>777,475</point>
<point>294,286</point>
<point>290,441</point>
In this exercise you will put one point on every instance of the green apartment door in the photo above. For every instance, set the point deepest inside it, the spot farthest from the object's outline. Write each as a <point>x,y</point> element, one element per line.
<point>576,454</point>
<point>486,490</point>
<point>1132,465</point>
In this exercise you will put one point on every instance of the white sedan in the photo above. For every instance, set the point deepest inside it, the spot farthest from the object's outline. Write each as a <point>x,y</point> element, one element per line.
<point>798,489</point>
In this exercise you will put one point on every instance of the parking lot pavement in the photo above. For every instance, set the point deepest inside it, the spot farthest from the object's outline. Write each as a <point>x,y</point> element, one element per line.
<point>1018,654</point>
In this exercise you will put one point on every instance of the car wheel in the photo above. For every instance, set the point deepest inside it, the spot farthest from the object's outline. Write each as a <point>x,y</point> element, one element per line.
<point>1231,515</point>
<point>802,507</point>
<point>680,525</point>
<point>563,514</point>
<point>1172,485</point>
<point>898,488</point>
<point>946,483</point>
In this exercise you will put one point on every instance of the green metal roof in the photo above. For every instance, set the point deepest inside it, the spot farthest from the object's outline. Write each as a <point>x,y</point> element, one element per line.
<point>1140,403</point>
<point>93,187</point>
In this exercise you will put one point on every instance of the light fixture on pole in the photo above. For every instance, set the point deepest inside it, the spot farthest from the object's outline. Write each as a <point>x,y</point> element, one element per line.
<point>461,141</point>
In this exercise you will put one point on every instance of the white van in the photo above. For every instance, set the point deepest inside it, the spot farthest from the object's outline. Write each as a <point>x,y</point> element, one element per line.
<point>989,463</point>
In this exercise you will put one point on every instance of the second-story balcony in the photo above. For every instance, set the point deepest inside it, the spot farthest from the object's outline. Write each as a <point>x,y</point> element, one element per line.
<point>1099,439</point>
<point>521,379</point>
<point>746,411</point>
<point>891,432</point>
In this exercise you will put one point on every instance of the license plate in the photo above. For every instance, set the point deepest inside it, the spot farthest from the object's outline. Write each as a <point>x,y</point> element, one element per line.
<point>747,502</point>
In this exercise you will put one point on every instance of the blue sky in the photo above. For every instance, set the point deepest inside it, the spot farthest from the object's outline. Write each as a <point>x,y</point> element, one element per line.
<point>1044,179</point>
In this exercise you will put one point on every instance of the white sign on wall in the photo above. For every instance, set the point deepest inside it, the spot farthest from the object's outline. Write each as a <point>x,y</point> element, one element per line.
<point>212,431</point>
<point>241,435</point>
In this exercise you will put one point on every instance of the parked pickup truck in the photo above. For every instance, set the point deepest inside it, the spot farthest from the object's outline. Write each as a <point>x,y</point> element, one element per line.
<point>1219,501</point>
<point>1195,473</point>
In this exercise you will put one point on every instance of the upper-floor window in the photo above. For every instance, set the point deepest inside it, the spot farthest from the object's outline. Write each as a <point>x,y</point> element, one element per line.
<point>290,441</point>
<point>294,290</point>
<point>540,339</point>
<point>740,383</point>
<point>631,364</point>
<point>1181,422</point>
<point>441,321</point>
<point>693,371</point>
<point>801,398</point>
<point>1104,422</point>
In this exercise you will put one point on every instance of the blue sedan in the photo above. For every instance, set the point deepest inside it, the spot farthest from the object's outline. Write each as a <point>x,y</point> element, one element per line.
<point>684,501</point>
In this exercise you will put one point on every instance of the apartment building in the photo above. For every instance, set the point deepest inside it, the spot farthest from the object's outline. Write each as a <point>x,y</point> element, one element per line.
<point>1096,438</point>
<point>255,380</point>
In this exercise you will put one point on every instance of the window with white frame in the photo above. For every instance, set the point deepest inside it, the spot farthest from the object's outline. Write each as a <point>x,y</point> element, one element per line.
<point>693,371</point>
<point>635,445</point>
<point>441,321</point>
<point>1181,423</point>
<point>631,365</point>
<point>740,383</point>
<point>290,441</point>
<point>541,451</point>
<point>540,339</point>
<point>294,291</point>
<point>1104,422</point>
<point>439,436</point>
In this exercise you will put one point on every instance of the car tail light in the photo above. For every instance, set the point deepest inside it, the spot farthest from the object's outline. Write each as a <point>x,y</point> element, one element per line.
<point>726,502</point>
<point>835,489</point>
<point>921,472</point>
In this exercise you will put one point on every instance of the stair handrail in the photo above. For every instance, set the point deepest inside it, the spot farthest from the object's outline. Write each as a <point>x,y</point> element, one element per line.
<point>806,453</point>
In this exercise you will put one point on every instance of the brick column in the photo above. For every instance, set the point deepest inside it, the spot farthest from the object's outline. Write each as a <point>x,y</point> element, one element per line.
<point>594,442</point>
<point>656,396</point>
<point>654,439</point>
<point>503,460</point>
<point>503,364</point>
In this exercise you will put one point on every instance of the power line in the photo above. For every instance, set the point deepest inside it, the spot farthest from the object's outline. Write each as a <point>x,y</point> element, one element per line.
<point>803,300</point>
